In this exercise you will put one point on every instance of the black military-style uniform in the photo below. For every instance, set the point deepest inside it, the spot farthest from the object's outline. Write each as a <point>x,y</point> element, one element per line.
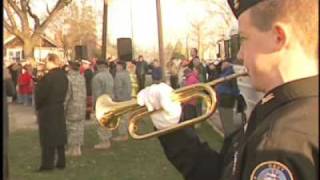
<point>280,141</point>
<point>50,94</point>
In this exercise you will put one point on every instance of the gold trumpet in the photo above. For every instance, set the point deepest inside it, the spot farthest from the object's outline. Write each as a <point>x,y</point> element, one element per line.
<point>108,112</point>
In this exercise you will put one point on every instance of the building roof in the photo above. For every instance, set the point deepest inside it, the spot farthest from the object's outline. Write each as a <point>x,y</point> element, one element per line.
<point>13,41</point>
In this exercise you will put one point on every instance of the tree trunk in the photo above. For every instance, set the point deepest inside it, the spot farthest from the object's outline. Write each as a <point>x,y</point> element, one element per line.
<point>28,49</point>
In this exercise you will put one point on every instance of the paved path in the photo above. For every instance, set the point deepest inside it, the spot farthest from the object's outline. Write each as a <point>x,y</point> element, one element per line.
<point>21,117</point>
<point>24,117</point>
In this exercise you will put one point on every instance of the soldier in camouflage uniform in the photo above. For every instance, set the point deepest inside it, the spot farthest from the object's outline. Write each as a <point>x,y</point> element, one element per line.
<point>122,92</point>
<point>102,83</point>
<point>75,109</point>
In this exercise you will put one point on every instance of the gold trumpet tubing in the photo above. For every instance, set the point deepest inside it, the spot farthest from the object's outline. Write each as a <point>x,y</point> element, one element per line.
<point>140,113</point>
<point>227,78</point>
<point>112,110</point>
<point>182,95</point>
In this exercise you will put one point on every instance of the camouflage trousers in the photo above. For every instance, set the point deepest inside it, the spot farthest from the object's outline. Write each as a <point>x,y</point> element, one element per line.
<point>105,134</point>
<point>75,130</point>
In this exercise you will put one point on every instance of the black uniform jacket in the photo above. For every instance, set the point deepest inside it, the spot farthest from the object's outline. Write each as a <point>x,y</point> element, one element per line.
<point>88,75</point>
<point>49,98</point>
<point>280,141</point>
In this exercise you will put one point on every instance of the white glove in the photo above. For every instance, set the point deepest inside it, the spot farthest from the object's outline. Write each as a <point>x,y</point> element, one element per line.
<point>158,96</point>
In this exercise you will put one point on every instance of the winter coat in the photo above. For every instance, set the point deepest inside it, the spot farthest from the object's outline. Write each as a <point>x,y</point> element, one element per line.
<point>25,84</point>
<point>156,73</point>
<point>122,86</point>
<point>50,94</point>
<point>228,91</point>
<point>88,75</point>
<point>141,68</point>
<point>102,83</point>
<point>191,78</point>
<point>75,102</point>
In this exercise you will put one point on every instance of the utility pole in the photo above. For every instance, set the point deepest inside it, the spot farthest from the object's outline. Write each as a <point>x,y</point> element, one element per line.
<point>160,39</point>
<point>187,47</point>
<point>104,30</point>
<point>132,33</point>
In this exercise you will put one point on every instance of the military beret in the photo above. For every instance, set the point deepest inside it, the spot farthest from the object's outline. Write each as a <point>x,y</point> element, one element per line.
<point>239,6</point>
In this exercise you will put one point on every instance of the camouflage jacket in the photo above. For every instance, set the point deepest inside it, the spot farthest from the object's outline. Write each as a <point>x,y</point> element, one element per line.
<point>75,102</point>
<point>122,86</point>
<point>102,83</point>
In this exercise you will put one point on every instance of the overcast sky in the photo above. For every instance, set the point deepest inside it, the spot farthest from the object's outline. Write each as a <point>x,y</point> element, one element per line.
<point>137,19</point>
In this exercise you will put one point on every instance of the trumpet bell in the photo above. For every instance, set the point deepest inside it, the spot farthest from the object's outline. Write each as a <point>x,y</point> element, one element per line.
<point>108,112</point>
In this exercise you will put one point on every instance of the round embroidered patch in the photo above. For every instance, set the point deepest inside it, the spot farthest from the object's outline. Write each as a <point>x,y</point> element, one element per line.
<point>271,170</point>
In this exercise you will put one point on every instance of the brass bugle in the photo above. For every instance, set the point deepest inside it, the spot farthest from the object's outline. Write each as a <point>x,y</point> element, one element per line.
<point>108,112</point>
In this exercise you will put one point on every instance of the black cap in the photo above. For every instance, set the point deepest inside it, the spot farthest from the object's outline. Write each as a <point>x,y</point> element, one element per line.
<point>122,63</point>
<point>239,6</point>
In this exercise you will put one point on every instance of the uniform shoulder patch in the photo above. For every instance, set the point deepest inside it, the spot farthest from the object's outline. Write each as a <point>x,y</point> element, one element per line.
<point>271,170</point>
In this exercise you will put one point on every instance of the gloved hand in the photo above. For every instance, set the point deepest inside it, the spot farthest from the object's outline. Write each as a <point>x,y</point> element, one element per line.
<point>158,96</point>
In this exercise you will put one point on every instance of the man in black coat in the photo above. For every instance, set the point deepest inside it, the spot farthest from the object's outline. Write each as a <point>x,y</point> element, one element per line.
<point>88,75</point>
<point>141,71</point>
<point>49,98</point>
<point>279,47</point>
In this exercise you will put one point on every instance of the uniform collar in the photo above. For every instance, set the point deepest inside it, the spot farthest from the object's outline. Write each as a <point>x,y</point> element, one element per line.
<point>302,88</point>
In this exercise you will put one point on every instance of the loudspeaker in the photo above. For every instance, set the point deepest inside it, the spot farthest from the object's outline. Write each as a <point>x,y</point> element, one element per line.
<point>227,49</point>
<point>81,52</point>
<point>235,45</point>
<point>124,47</point>
<point>221,49</point>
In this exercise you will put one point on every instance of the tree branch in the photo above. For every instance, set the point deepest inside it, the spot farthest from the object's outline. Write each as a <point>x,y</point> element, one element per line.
<point>9,14</point>
<point>226,13</point>
<point>13,30</point>
<point>59,6</point>
<point>24,5</point>
<point>48,11</point>
<point>16,9</point>
<point>34,16</point>
<point>22,15</point>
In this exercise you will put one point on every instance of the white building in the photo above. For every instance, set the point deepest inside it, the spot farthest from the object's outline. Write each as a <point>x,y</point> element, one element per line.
<point>13,48</point>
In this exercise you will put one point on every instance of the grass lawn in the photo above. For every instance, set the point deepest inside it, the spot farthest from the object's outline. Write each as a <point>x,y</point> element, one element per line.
<point>132,160</point>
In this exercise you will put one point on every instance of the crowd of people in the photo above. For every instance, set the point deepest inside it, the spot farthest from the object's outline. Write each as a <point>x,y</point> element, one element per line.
<point>65,94</point>
<point>279,47</point>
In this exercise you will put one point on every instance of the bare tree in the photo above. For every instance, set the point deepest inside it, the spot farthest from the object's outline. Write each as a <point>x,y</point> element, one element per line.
<point>81,28</point>
<point>18,17</point>
<point>205,35</point>
<point>198,33</point>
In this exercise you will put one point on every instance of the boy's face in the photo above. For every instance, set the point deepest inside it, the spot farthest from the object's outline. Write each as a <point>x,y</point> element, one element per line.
<point>257,52</point>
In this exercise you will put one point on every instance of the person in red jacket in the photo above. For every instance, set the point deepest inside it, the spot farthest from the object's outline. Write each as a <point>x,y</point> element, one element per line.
<point>25,86</point>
